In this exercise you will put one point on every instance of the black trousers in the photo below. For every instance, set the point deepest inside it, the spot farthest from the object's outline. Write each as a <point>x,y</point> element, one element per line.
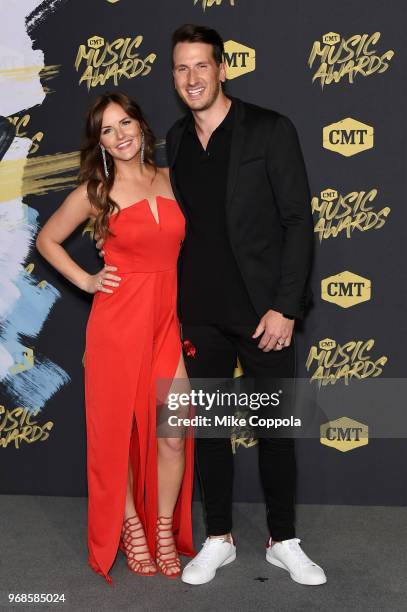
<point>216,350</point>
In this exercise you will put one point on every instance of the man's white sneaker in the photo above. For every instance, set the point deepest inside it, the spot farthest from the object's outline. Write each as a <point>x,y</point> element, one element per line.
<point>289,555</point>
<point>214,553</point>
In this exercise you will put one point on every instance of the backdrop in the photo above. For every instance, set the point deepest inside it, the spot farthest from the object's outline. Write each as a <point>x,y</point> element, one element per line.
<point>336,70</point>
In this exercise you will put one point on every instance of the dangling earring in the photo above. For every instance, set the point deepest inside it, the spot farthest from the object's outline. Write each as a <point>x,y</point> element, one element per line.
<point>104,160</point>
<point>142,148</point>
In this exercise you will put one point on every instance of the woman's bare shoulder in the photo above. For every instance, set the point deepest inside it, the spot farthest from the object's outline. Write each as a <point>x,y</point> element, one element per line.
<point>165,182</point>
<point>165,172</point>
<point>80,197</point>
<point>80,193</point>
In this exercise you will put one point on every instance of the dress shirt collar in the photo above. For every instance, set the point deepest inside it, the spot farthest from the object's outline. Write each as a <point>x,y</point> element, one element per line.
<point>226,124</point>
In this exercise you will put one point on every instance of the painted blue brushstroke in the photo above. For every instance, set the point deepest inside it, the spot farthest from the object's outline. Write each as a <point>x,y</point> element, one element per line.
<point>32,218</point>
<point>33,388</point>
<point>31,309</point>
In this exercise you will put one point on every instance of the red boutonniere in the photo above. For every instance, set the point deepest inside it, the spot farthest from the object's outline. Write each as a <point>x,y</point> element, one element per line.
<point>189,349</point>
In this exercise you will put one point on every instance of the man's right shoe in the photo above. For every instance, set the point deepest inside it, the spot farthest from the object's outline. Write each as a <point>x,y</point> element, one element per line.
<point>214,553</point>
<point>289,555</point>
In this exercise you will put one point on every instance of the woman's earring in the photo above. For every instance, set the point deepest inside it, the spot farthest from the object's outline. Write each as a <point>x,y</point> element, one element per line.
<point>104,160</point>
<point>142,148</point>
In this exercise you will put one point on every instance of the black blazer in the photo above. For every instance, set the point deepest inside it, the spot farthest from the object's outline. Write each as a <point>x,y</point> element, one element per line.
<point>268,207</point>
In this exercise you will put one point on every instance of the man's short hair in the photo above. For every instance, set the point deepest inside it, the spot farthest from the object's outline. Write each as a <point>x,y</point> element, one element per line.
<point>196,33</point>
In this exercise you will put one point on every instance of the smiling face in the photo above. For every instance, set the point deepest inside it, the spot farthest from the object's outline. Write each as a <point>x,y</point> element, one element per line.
<point>197,77</point>
<point>120,134</point>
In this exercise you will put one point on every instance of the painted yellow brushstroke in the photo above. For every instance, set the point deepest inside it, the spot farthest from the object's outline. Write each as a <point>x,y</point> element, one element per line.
<point>38,175</point>
<point>27,73</point>
<point>89,228</point>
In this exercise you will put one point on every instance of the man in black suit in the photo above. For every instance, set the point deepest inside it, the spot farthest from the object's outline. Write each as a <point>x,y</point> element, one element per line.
<point>238,173</point>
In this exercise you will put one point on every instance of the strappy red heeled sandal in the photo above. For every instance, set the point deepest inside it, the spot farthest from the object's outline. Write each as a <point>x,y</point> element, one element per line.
<point>128,535</point>
<point>168,560</point>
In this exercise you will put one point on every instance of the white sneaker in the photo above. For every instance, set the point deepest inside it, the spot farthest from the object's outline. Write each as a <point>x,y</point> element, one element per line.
<point>214,553</point>
<point>289,555</point>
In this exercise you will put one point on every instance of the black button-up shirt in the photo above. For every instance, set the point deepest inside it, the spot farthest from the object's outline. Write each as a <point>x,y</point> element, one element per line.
<point>211,288</point>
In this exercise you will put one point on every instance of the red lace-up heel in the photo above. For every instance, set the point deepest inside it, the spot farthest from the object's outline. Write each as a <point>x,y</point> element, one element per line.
<point>143,566</point>
<point>167,560</point>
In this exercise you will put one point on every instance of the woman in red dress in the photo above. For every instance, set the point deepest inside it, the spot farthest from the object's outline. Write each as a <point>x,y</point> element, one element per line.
<point>139,485</point>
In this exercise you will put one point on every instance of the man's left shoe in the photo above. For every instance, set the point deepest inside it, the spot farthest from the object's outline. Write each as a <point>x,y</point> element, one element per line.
<point>289,555</point>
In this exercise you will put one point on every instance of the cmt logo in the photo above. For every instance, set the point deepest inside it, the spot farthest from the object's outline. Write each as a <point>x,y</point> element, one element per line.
<point>331,38</point>
<point>344,434</point>
<point>209,3</point>
<point>95,42</point>
<point>348,137</point>
<point>329,195</point>
<point>346,289</point>
<point>239,59</point>
<point>327,344</point>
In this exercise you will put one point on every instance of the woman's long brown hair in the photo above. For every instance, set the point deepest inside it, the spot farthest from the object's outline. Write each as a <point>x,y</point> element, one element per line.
<point>91,161</point>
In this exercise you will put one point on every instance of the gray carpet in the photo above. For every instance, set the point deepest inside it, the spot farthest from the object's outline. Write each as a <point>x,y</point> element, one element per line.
<point>362,549</point>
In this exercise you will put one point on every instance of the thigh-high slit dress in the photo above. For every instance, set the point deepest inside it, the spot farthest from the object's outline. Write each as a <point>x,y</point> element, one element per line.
<point>132,340</point>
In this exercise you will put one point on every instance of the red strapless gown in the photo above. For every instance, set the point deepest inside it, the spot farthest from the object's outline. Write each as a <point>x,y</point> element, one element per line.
<point>132,339</point>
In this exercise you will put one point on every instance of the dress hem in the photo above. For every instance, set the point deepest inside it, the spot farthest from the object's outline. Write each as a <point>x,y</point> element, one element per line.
<point>101,573</point>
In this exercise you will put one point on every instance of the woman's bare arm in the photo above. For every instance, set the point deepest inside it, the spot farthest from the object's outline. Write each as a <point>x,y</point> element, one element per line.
<point>74,211</point>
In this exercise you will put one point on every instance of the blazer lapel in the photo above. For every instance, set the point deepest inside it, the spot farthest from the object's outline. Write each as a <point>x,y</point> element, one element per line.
<point>236,149</point>
<point>177,141</point>
<point>175,144</point>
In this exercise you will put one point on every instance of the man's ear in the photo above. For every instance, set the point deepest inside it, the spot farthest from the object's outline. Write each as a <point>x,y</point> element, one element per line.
<point>222,72</point>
